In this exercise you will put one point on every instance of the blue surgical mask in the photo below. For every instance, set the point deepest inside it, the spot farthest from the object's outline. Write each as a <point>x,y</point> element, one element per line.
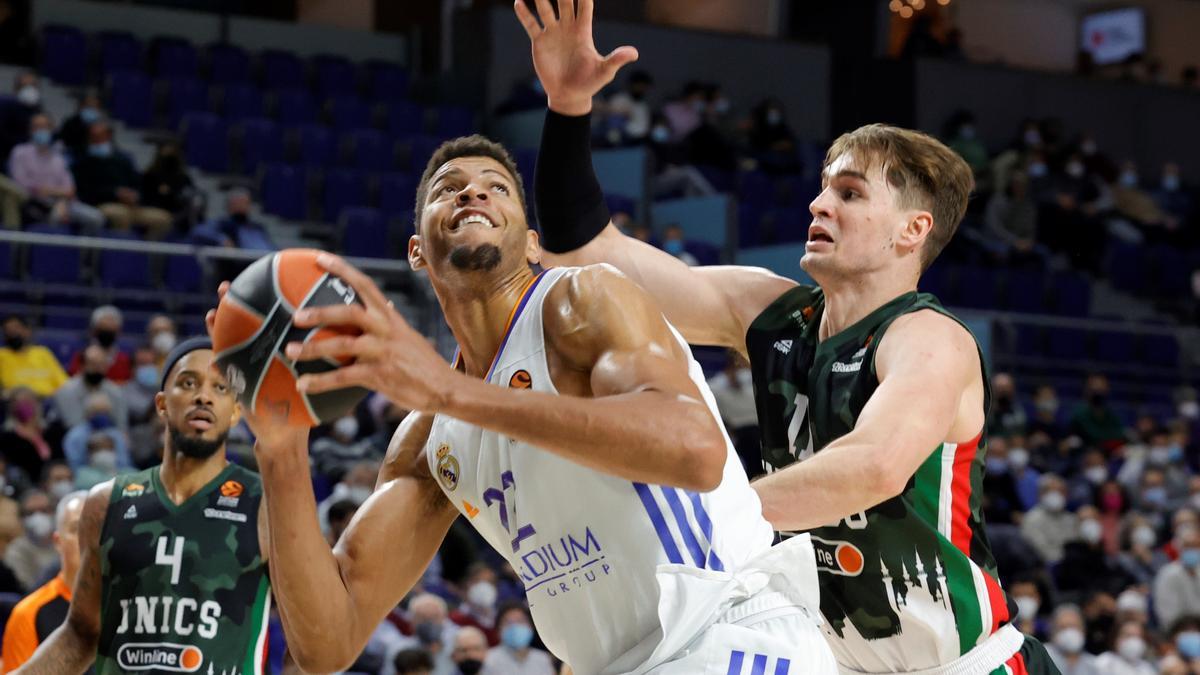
<point>1190,557</point>
<point>673,246</point>
<point>1037,170</point>
<point>1157,497</point>
<point>1170,183</point>
<point>966,132</point>
<point>997,465</point>
<point>660,134</point>
<point>89,115</point>
<point>100,150</point>
<point>100,421</point>
<point>41,137</point>
<point>1129,179</point>
<point>1188,644</point>
<point>147,376</point>
<point>516,636</point>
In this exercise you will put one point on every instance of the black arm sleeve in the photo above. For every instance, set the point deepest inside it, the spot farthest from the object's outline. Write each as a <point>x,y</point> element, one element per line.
<point>567,197</point>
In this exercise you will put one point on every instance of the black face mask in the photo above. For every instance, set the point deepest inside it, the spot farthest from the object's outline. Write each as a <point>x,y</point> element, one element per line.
<point>106,338</point>
<point>240,218</point>
<point>93,379</point>
<point>1098,399</point>
<point>14,342</point>
<point>470,667</point>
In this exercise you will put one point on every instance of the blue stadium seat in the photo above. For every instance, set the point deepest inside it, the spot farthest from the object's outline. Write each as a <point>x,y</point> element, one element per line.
<point>130,99</point>
<point>1171,272</point>
<point>242,100</point>
<point>334,75</point>
<point>397,193</point>
<point>372,150</point>
<point>53,264</point>
<point>316,146</point>
<point>344,188</point>
<point>124,269</point>
<point>783,225</point>
<point>6,262</point>
<point>281,70</point>
<point>206,141</point>
<point>756,186</point>
<point>1072,294</point>
<point>1069,344</point>
<point>1025,291</point>
<point>119,50</point>
<point>186,96</point>
<point>454,120</point>
<point>705,253</point>
<point>975,287</point>
<point>175,58</point>
<point>1114,346</point>
<point>1160,350</point>
<point>228,64</point>
<point>261,141</point>
<point>182,274</point>
<point>365,233</point>
<point>295,106</point>
<point>386,81</point>
<point>284,191</point>
<point>934,281</point>
<point>420,149</point>
<point>750,216</point>
<point>349,113</point>
<point>615,203</point>
<point>64,54</point>
<point>1124,267</point>
<point>405,118</point>
<point>1028,340</point>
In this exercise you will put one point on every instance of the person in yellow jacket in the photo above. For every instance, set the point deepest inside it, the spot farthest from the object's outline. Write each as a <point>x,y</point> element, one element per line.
<point>25,364</point>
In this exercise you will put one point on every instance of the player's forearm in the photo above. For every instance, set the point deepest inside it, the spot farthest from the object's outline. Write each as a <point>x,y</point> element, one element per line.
<point>67,650</point>
<point>836,483</point>
<point>647,436</point>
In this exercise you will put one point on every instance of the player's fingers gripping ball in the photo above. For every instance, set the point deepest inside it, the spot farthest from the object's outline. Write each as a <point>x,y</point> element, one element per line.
<point>253,324</point>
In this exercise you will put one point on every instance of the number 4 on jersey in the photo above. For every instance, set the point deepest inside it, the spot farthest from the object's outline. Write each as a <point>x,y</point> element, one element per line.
<point>174,559</point>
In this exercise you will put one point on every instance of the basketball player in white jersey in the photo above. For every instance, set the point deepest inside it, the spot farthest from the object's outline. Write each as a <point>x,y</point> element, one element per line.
<point>574,432</point>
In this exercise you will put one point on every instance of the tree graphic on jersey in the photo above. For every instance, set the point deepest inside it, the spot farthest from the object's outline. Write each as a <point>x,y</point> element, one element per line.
<point>493,496</point>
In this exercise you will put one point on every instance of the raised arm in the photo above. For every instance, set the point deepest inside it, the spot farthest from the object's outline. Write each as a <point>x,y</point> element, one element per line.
<point>709,305</point>
<point>930,390</point>
<point>71,648</point>
<point>331,601</point>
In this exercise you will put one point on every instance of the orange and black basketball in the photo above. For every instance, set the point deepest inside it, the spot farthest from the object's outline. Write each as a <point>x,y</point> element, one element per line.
<point>254,323</point>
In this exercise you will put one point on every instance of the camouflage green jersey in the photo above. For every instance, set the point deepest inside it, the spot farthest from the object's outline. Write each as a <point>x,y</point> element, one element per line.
<point>185,587</point>
<point>908,584</point>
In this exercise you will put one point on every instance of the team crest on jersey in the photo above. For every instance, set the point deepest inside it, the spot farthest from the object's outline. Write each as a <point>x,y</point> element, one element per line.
<point>838,557</point>
<point>133,490</point>
<point>447,468</point>
<point>521,380</point>
<point>160,656</point>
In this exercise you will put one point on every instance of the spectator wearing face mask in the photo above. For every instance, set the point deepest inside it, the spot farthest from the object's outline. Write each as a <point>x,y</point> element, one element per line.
<point>161,336</point>
<point>1141,558</point>
<point>433,630</point>
<point>1094,420</point>
<point>108,180</point>
<point>237,229</point>
<point>734,393</point>
<point>962,136</point>
<point>1128,653</point>
<point>139,392</point>
<point>686,112</point>
<point>1185,638</point>
<point>479,606</point>
<point>1153,498</point>
<point>1171,195</point>
<point>1066,644</point>
<point>1049,526</point>
<point>105,328</point>
<point>1012,221</point>
<point>102,459</point>
<point>514,655</point>
<point>772,142</point>
<point>334,454</point>
<point>23,441</point>
<point>14,122</point>
<point>1028,598</point>
<point>1085,565</point>
<point>629,110</point>
<point>74,130</point>
<point>25,364</point>
<point>413,662</point>
<point>33,551</point>
<point>470,649</point>
<point>1177,586</point>
<point>1025,477</point>
<point>673,243</point>
<point>1084,486</point>
<point>41,169</point>
<point>71,397</point>
<point>1138,208</point>
<point>166,184</point>
<point>356,484</point>
<point>80,439</point>
<point>1045,414</point>
<point>58,480</point>
<point>1002,504</point>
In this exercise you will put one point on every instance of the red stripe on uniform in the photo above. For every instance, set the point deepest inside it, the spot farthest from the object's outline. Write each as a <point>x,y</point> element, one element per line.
<point>1017,664</point>
<point>960,495</point>
<point>996,600</point>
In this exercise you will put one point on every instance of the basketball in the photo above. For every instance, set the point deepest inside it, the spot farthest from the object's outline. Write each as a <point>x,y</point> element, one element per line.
<point>253,324</point>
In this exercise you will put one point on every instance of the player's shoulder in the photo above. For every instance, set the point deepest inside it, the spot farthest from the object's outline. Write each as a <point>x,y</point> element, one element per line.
<point>931,337</point>
<point>587,283</point>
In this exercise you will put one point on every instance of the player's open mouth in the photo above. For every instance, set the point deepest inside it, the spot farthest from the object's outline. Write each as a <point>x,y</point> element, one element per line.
<point>818,233</point>
<point>472,219</point>
<point>200,420</point>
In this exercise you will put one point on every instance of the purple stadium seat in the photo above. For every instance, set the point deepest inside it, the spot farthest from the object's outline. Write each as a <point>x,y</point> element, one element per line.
<point>175,58</point>
<point>1025,291</point>
<point>933,281</point>
<point>1160,350</point>
<point>454,120</point>
<point>1028,340</point>
<point>365,233</point>
<point>975,287</point>
<point>119,50</point>
<point>1114,346</point>
<point>1069,344</point>
<point>705,253</point>
<point>261,141</point>
<point>316,146</point>
<point>387,81</point>
<point>186,96</point>
<point>64,54</point>
<point>281,70</point>
<point>284,191</point>
<point>295,106</point>
<point>334,75</point>
<point>242,100</point>
<point>420,149</point>
<point>6,266</point>
<point>349,113</point>
<point>124,269</point>
<point>372,150</point>
<point>130,99</point>
<point>1124,269</point>
<point>405,118</point>
<point>344,188</point>
<point>397,193</point>
<point>1072,294</point>
<point>183,274</point>
<point>206,141</point>
<point>53,264</point>
<point>228,64</point>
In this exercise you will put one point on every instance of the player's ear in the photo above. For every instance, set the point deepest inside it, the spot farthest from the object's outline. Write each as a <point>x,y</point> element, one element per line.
<point>160,404</point>
<point>916,230</point>
<point>415,259</point>
<point>533,247</point>
<point>237,415</point>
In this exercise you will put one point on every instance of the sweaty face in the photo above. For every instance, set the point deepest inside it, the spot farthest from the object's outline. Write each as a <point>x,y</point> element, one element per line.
<point>198,405</point>
<point>472,220</point>
<point>856,222</point>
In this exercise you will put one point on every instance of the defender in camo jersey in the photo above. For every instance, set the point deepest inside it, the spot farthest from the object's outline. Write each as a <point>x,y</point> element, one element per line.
<point>877,389</point>
<point>173,572</point>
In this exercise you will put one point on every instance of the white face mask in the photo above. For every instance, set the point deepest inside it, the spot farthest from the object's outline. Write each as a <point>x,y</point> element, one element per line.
<point>1027,607</point>
<point>1018,458</point>
<point>1054,501</point>
<point>1075,170</point>
<point>346,427</point>
<point>29,95</point>
<point>357,494</point>
<point>163,342</point>
<point>1091,531</point>
<point>1132,648</point>
<point>1095,474</point>
<point>1070,640</point>
<point>1144,536</point>
<point>482,594</point>
<point>61,488</point>
<point>104,460</point>
<point>39,525</point>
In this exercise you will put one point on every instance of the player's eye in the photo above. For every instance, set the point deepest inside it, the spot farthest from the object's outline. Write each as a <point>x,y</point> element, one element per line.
<point>223,388</point>
<point>500,187</point>
<point>847,195</point>
<point>448,189</point>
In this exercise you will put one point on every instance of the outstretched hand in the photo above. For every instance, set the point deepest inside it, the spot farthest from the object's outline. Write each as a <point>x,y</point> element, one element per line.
<point>565,56</point>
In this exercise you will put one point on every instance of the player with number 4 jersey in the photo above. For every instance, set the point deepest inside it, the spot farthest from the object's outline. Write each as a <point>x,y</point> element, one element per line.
<point>173,572</point>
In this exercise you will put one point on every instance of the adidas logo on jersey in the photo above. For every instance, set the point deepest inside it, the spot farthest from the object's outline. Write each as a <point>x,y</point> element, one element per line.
<point>131,512</point>
<point>784,346</point>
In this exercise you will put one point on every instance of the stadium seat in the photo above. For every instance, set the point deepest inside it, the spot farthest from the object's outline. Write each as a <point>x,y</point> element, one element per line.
<point>705,253</point>
<point>334,75</point>
<point>386,81</point>
<point>974,287</point>
<point>397,193</point>
<point>130,99</point>
<point>349,113</point>
<point>64,55</point>
<point>934,281</point>
<point>1114,346</point>
<point>119,50</point>
<point>1072,294</point>
<point>1160,350</point>
<point>206,141</point>
<point>295,106</point>
<point>6,261</point>
<point>54,264</point>
<point>261,141</point>
<point>284,191</point>
<point>344,188</point>
<point>241,100</point>
<point>316,146</point>
<point>228,64</point>
<point>1024,291</point>
<point>1124,267</point>
<point>405,118</point>
<point>420,149</point>
<point>615,203</point>
<point>186,96</point>
<point>1068,344</point>
<point>175,58</point>
<point>371,150</point>
<point>1028,340</point>
<point>365,233</point>
<point>182,274</point>
<point>454,120</point>
<point>123,269</point>
<point>281,70</point>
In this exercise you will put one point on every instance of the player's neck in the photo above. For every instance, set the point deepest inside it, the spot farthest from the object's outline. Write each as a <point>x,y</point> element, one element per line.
<point>849,301</point>
<point>479,321</point>
<point>184,476</point>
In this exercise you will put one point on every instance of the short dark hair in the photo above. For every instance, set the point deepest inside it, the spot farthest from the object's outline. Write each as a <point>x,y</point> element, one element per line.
<point>513,605</point>
<point>466,146</point>
<point>412,660</point>
<point>15,317</point>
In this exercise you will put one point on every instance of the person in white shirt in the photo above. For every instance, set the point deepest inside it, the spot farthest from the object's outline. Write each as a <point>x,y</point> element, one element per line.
<point>514,655</point>
<point>1128,653</point>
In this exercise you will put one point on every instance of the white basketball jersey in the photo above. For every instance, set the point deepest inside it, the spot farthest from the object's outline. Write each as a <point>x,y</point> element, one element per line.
<point>586,544</point>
